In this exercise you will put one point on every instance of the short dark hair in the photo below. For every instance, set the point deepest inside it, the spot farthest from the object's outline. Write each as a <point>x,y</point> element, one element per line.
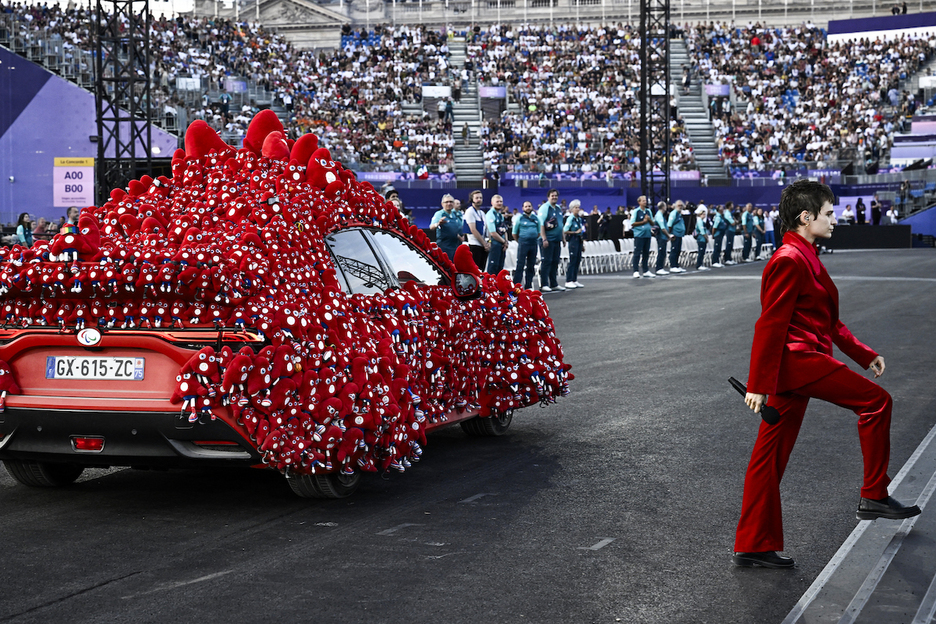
<point>799,196</point>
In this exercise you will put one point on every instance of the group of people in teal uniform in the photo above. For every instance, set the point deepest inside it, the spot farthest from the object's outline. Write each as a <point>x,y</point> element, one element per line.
<point>753,227</point>
<point>487,231</point>
<point>669,227</point>
<point>541,232</point>
<point>546,233</point>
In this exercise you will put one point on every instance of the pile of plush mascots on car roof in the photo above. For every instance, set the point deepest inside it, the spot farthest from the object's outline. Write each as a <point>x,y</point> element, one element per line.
<point>236,239</point>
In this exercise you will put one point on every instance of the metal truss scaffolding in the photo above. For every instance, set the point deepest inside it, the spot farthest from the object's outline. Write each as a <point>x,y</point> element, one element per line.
<point>654,101</point>
<point>122,93</point>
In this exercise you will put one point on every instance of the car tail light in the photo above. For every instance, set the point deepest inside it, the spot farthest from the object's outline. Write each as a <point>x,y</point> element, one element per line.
<point>88,444</point>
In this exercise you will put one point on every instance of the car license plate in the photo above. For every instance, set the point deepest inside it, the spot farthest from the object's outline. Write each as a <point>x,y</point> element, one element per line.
<point>81,367</point>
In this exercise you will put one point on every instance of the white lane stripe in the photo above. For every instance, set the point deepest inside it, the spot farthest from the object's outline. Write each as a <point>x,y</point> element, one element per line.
<point>874,577</point>
<point>806,599</point>
<point>176,585</point>
<point>472,499</point>
<point>604,542</point>
<point>393,530</point>
<point>927,610</point>
<point>709,276</point>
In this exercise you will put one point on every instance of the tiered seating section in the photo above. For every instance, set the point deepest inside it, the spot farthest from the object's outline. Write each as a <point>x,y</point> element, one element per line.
<point>576,91</point>
<point>802,99</point>
<point>352,98</point>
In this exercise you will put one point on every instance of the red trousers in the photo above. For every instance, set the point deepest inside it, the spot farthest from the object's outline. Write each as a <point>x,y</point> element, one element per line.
<point>761,525</point>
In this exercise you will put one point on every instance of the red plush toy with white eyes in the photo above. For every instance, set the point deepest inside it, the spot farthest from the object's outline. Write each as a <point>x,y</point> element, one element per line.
<point>324,173</point>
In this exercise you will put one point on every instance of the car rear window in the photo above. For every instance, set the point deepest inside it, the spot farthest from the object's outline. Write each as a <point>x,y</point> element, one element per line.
<point>407,262</point>
<point>355,259</point>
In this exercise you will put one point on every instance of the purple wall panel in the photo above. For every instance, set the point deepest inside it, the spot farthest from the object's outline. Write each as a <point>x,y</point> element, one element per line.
<point>20,81</point>
<point>57,123</point>
<point>922,222</point>
<point>888,22</point>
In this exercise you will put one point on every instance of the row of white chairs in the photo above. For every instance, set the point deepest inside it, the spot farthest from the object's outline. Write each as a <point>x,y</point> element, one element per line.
<point>602,256</point>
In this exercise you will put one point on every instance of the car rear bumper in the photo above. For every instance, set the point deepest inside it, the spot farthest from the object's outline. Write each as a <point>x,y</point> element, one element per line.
<point>131,438</point>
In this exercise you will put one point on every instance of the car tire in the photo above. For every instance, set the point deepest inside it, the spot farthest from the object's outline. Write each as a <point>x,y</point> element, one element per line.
<point>334,485</point>
<point>494,425</point>
<point>39,474</point>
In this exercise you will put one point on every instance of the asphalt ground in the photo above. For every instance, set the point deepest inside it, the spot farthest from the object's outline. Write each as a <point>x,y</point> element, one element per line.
<point>618,503</point>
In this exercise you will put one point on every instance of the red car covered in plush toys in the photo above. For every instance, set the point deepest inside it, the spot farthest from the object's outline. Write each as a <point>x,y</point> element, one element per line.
<point>261,307</point>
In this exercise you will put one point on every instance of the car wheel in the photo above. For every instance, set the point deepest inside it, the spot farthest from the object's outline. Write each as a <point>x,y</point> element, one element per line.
<point>494,425</point>
<point>38,474</point>
<point>334,485</point>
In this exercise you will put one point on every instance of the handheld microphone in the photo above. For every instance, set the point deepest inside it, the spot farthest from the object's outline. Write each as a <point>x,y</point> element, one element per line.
<point>770,414</point>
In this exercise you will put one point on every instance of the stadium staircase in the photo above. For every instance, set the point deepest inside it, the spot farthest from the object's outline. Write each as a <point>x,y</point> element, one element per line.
<point>692,110</point>
<point>469,161</point>
<point>911,84</point>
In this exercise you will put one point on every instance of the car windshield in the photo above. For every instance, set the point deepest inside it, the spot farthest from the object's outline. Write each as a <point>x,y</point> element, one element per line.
<point>407,262</point>
<point>356,260</point>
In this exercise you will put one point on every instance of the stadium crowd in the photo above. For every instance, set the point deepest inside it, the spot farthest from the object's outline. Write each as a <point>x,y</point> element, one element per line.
<point>797,97</point>
<point>576,96</point>
<point>352,98</point>
<point>802,98</point>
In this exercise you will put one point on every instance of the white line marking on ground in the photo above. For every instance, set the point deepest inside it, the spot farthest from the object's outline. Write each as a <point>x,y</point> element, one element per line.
<point>168,586</point>
<point>604,542</point>
<point>393,530</point>
<point>751,278</point>
<point>472,499</point>
<point>927,610</point>
<point>877,572</point>
<point>806,599</point>
<point>460,552</point>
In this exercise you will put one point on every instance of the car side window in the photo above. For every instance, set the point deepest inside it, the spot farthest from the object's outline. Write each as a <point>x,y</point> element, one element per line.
<point>356,260</point>
<point>409,264</point>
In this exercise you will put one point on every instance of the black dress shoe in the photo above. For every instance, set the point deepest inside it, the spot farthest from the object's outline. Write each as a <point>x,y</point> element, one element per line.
<point>870,509</point>
<point>769,559</point>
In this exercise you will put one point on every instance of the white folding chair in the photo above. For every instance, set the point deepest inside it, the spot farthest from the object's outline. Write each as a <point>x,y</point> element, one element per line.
<point>510,260</point>
<point>627,250</point>
<point>563,258</point>
<point>690,249</point>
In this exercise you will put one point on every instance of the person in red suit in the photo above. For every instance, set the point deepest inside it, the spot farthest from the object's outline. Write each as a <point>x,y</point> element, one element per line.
<point>791,362</point>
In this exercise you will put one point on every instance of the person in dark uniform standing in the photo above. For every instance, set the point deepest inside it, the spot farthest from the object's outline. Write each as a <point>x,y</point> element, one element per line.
<point>701,236</point>
<point>875,210</point>
<point>447,223</point>
<point>791,362</point>
<point>719,227</point>
<point>497,229</point>
<point>641,219</point>
<point>573,231</point>
<point>677,228</point>
<point>729,217</point>
<point>526,230</point>
<point>663,237</point>
<point>550,219</point>
<point>747,231</point>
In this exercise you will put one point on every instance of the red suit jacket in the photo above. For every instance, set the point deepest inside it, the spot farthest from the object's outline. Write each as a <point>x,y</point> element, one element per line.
<point>799,323</point>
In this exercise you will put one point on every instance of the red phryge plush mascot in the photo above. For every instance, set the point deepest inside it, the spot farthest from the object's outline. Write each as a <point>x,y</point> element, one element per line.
<point>236,238</point>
